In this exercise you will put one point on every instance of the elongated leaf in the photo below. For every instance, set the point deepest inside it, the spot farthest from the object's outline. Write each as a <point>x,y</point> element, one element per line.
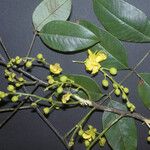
<point>144,89</point>
<point>117,56</point>
<point>89,85</point>
<point>123,20</point>
<point>123,134</point>
<point>49,10</point>
<point>67,37</point>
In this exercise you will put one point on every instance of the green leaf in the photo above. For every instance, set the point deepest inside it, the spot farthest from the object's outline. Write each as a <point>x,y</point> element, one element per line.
<point>117,56</point>
<point>65,36</point>
<point>49,10</point>
<point>123,20</point>
<point>123,134</point>
<point>144,89</point>
<point>89,85</point>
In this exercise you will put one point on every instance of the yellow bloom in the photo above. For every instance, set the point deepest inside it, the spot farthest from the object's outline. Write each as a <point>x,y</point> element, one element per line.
<point>92,66</point>
<point>92,63</point>
<point>55,68</point>
<point>66,98</point>
<point>89,134</point>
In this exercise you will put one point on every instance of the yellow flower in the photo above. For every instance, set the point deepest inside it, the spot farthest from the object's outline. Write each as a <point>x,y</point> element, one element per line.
<point>89,134</point>
<point>55,68</point>
<point>66,98</point>
<point>92,63</point>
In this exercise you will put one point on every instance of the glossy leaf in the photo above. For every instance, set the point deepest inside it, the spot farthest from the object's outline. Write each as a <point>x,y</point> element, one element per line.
<point>89,85</point>
<point>123,134</point>
<point>123,20</point>
<point>117,56</point>
<point>144,89</point>
<point>67,37</point>
<point>49,10</point>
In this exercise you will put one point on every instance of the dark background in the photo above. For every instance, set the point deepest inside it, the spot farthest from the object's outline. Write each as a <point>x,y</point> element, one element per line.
<point>26,130</point>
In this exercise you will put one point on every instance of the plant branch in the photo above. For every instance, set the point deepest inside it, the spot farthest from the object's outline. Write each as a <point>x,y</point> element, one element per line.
<point>12,109</point>
<point>113,110</point>
<point>4,48</point>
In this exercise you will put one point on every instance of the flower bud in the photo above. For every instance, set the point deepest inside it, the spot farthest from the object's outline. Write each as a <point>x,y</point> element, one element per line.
<point>39,56</point>
<point>129,105</point>
<point>113,71</point>
<point>115,86</point>
<point>87,143</point>
<point>59,90</point>
<point>28,64</point>
<point>117,92</point>
<point>102,142</point>
<point>148,139</point>
<point>34,105</point>
<point>80,133</point>
<point>126,90</point>
<point>11,88</point>
<point>14,99</point>
<point>105,83</point>
<point>63,78</point>
<point>46,110</point>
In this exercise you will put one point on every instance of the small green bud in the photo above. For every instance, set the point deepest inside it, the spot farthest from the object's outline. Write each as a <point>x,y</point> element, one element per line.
<point>59,90</point>
<point>117,92</point>
<point>124,96</point>
<point>39,56</point>
<point>50,79</point>
<point>2,94</point>
<point>113,71</point>
<point>87,143</point>
<point>20,79</point>
<point>132,108</point>
<point>80,133</point>
<point>10,79</point>
<point>105,83</point>
<point>28,64</point>
<point>57,107</point>
<point>18,84</point>
<point>10,88</point>
<point>63,78</point>
<point>129,105</point>
<point>102,142</point>
<point>34,105</point>
<point>71,143</point>
<point>46,110</point>
<point>18,61</point>
<point>148,139</point>
<point>14,99</point>
<point>115,86</point>
<point>126,90</point>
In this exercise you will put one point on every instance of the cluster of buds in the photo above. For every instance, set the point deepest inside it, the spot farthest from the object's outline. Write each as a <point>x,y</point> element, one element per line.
<point>14,61</point>
<point>88,135</point>
<point>14,79</point>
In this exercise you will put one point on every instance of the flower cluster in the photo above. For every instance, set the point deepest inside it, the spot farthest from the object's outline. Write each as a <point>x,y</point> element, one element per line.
<point>88,135</point>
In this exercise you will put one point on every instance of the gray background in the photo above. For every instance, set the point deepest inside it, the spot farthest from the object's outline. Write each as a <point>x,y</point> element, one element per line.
<point>26,131</point>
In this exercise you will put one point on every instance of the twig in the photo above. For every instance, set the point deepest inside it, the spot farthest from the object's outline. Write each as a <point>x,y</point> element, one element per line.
<point>31,45</point>
<point>12,109</point>
<point>4,48</point>
<point>108,109</point>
